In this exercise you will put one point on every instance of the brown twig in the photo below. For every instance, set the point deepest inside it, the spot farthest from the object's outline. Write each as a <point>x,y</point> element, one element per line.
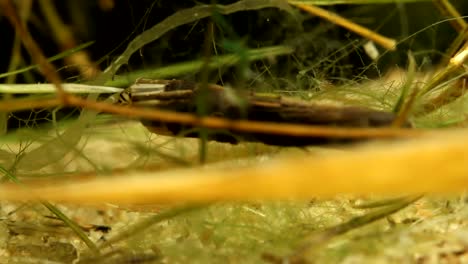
<point>31,46</point>
<point>65,39</point>
<point>24,104</point>
<point>214,122</point>
<point>244,126</point>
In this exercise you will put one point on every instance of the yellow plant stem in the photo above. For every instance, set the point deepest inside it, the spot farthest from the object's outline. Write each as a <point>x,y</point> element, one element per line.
<point>385,42</point>
<point>432,164</point>
<point>447,9</point>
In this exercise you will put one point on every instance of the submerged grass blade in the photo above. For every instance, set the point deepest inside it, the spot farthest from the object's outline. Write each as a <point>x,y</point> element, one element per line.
<point>145,223</point>
<point>379,203</point>
<point>317,240</point>
<point>408,83</point>
<point>53,58</point>
<point>50,88</point>
<point>195,66</point>
<point>408,95</point>
<point>3,123</point>
<point>70,223</point>
<point>56,148</point>
<point>142,148</point>
<point>184,17</point>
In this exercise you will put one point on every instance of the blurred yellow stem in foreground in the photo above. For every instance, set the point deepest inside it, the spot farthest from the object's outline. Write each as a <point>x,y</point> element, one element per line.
<point>430,164</point>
